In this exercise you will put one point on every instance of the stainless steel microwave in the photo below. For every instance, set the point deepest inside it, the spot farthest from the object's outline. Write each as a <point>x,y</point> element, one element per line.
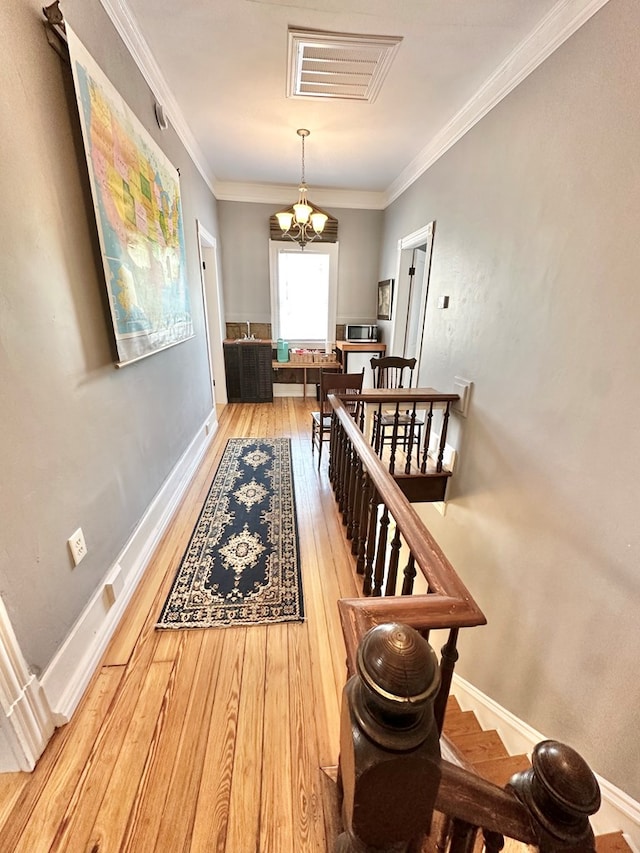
<point>359,332</point>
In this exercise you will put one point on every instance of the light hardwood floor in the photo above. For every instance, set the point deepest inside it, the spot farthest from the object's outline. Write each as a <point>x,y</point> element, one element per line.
<point>207,740</point>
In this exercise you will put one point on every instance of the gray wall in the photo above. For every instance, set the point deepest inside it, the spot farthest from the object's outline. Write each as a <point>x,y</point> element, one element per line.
<point>244,230</point>
<point>82,444</point>
<point>537,214</point>
<point>537,211</point>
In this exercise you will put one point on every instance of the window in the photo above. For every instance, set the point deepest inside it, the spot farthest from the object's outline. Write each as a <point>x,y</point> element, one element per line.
<point>303,291</point>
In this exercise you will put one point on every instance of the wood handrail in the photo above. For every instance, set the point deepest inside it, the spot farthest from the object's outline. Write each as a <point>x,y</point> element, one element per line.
<point>429,556</point>
<point>422,612</point>
<point>466,796</point>
<point>449,603</point>
<point>403,395</point>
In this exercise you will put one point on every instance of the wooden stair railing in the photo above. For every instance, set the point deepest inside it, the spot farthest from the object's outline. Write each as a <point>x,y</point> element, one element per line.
<point>400,795</point>
<point>373,507</point>
<point>415,405</point>
<point>395,773</point>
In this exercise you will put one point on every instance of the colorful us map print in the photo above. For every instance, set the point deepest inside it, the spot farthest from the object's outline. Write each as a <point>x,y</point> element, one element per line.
<point>136,194</point>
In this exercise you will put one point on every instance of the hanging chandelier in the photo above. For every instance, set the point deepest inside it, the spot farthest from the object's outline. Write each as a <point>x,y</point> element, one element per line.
<point>301,223</point>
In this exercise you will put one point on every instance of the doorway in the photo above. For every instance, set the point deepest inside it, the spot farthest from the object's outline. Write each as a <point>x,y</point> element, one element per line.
<point>414,267</point>
<point>213,314</point>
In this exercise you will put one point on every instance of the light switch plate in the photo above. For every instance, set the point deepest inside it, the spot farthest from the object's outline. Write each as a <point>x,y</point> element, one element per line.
<point>463,388</point>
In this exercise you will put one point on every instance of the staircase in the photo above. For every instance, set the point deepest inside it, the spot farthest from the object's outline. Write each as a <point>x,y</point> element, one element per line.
<point>484,752</point>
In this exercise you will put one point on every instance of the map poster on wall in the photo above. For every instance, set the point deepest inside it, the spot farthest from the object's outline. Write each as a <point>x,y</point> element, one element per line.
<point>136,195</point>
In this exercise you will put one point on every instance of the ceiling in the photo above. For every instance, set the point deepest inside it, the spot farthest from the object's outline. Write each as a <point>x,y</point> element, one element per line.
<point>219,67</point>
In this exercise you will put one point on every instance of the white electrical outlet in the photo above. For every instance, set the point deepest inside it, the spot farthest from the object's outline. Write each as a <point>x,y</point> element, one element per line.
<point>77,546</point>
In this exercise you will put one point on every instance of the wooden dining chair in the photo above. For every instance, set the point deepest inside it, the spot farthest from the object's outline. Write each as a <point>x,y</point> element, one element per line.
<point>393,372</point>
<point>332,383</point>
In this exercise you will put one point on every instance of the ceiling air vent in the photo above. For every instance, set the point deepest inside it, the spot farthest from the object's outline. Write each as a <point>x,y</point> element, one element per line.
<point>338,65</point>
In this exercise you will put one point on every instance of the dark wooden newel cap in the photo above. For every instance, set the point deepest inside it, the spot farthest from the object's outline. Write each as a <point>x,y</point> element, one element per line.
<point>399,678</point>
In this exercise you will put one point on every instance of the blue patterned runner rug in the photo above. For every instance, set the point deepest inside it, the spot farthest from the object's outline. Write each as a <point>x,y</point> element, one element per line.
<point>242,565</point>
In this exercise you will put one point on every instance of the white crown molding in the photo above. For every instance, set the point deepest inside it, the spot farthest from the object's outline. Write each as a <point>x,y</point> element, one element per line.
<point>129,31</point>
<point>555,28</point>
<point>286,194</point>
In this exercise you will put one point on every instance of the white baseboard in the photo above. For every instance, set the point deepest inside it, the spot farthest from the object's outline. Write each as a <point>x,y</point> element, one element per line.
<point>66,678</point>
<point>618,812</point>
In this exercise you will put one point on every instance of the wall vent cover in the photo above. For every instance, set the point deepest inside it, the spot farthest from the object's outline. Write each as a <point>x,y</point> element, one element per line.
<point>338,65</point>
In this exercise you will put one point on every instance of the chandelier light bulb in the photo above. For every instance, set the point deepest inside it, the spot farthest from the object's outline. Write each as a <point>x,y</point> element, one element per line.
<point>285,219</point>
<point>319,220</point>
<point>302,213</point>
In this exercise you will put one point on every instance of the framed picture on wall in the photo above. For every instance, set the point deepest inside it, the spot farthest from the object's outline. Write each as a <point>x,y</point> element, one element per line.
<point>136,198</point>
<point>385,297</point>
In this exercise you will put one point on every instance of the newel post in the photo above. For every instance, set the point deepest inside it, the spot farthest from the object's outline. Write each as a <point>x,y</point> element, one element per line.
<point>389,743</point>
<point>560,792</point>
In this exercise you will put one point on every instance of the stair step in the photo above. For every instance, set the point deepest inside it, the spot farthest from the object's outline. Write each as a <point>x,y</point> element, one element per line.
<point>612,842</point>
<point>459,723</point>
<point>500,770</point>
<point>489,757</point>
<point>479,746</point>
<point>452,704</point>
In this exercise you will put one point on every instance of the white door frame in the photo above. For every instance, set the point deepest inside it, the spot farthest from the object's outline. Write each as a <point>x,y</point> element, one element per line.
<point>212,300</point>
<point>423,236</point>
<point>26,721</point>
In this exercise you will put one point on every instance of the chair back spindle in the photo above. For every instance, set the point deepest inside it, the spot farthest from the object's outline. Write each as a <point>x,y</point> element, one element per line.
<point>405,428</point>
<point>333,383</point>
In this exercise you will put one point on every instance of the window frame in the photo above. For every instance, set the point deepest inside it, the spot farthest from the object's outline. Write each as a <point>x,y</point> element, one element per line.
<point>277,247</point>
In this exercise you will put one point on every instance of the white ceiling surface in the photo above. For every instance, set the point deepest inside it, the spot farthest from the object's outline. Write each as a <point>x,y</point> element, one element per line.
<point>222,66</point>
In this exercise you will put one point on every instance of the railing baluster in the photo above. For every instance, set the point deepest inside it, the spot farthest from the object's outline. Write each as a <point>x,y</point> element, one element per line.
<point>444,832</point>
<point>356,503</point>
<point>377,430</point>
<point>381,553</point>
<point>371,542</point>
<point>412,436</point>
<point>340,438</point>
<point>427,439</point>
<point>448,658</point>
<point>443,437</point>
<point>344,478</point>
<point>333,443</point>
<point>367,491</point>
<point>409,576</point>
<point>493,841</point>
<point>463,837</point>
<point>394,440</point>
<point>394,559</point>
<point>351,494</point>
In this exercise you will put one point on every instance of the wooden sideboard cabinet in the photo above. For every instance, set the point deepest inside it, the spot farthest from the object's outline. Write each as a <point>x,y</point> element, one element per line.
<point>247,366</point>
